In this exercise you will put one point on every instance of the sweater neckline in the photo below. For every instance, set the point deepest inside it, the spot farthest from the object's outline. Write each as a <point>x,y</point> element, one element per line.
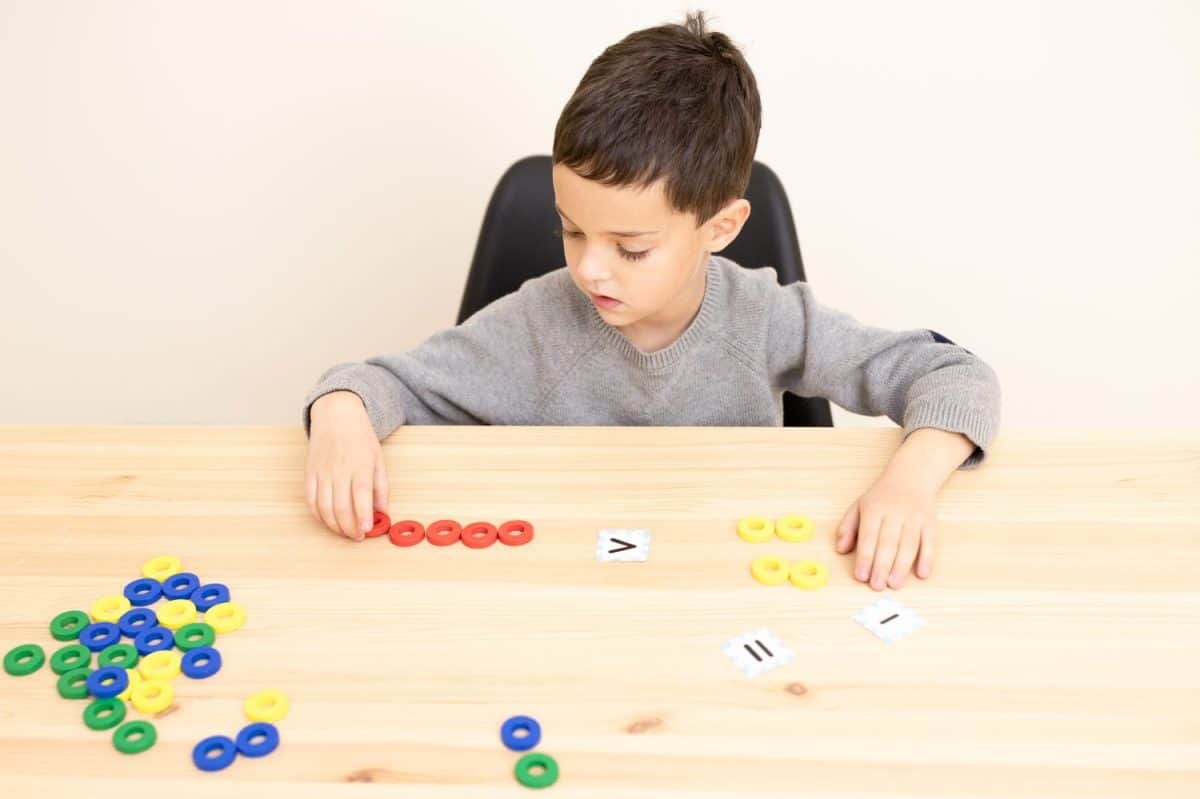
<point>671,353</point>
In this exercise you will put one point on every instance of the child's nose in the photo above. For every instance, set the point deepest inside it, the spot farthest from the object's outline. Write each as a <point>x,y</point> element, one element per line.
<point>592,267</point>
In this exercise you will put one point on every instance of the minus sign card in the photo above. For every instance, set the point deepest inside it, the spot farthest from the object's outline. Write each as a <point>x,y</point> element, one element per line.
<point>890,619</point>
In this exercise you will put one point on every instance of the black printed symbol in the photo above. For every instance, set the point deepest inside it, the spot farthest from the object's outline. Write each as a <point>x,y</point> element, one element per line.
<point>755,654</point>
<point>889,618</point>
<point>626,546</point>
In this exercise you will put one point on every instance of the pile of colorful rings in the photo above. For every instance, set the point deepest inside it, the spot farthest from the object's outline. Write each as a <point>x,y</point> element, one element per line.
<point>140,651</point>
<point>774,570</point>
<point>535,769</point>
<point>445,532</point>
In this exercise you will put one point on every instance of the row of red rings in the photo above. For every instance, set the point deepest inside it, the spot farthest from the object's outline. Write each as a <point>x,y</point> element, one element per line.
<point>445,532</point>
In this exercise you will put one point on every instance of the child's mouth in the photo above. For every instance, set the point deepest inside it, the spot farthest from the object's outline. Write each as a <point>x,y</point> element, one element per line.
<point>605,302</point>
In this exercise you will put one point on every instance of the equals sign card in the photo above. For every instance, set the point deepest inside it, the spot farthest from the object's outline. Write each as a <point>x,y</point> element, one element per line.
<point>757,652</point>
<point>623,545</point>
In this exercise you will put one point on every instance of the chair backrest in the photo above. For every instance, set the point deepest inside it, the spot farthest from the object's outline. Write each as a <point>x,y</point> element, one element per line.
<point>517,242</point>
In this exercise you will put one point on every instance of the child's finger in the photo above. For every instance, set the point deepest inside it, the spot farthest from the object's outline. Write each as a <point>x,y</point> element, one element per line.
<point>910,542</point>
<point>925,561</point>
<point>363,507</point>
<point>343,507</point>
<point>885,552</point>
<point>847,529</point>
<point>868,535</point>
<point>310,493</point>
<point>325,502</point>
<point>382,489</point>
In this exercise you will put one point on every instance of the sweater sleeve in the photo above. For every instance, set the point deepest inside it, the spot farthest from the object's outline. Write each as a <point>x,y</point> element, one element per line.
<point>487,370</point>
<point>918,378</point>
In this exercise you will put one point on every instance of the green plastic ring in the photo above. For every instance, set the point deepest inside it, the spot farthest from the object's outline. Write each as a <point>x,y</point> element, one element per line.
<point>67,625</point>
<point>134,736</point>
<point>196,634</point>
<point>545,779</point>
<point>73,684</point>
<point>123,655</point>
<point>104,714</point>
<point>24,659</point>
<point>71,656</point>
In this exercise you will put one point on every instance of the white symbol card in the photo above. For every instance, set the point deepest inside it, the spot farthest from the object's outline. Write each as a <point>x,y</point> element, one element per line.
<point>623,545</point>
<point>757,652</point>
<point>890,619</point>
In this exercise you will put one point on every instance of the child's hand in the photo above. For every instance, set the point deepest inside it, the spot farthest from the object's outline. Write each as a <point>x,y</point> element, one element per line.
<point>894,523</point>
<point>345,479</point>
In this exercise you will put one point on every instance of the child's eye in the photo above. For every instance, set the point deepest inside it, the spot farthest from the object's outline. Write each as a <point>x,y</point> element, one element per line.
<point>628,255</point>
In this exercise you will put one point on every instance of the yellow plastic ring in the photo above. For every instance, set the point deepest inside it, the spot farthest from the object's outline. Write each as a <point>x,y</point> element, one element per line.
<point>135,679</point>
<point>110,608</point>
<point>177,613</point>
<point>162,567</point>
<point>163,665</point>
<point>794,528</point>
<point>225,617</point>
<point>756,529</point>
<point>808,574</point>
<point>152,696</point>
<point>269,705</point>
<point>770,570</point>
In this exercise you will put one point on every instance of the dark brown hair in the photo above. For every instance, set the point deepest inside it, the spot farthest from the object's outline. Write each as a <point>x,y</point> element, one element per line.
<point>675,102</point>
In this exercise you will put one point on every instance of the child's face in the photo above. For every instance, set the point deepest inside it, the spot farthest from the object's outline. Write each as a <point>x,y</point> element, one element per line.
<point>638,259</point>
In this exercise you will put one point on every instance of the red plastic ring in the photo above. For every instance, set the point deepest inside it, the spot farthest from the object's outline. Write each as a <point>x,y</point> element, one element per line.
<point>479,535</point>
<point>382,523</point>
<point>443,532</point>
<point>516,533</point>
<point>407,533</point>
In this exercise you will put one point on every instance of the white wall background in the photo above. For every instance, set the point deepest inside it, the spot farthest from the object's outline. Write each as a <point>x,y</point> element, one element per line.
<point>203,205</point>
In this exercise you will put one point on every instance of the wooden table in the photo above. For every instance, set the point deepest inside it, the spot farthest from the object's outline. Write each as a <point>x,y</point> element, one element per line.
<point>1061,658</point>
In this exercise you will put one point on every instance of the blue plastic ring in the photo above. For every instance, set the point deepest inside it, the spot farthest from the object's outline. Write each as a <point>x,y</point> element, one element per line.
<point>180,586</point>
<point>97,688</point>
<point>143,591</point>
<point>153,640</point>
<point>206,596</point>
<point>510,728</point>
<point>259,729</point>
<point>136,620</point>
<point>100,635</point>
<point>225,751</point>
<point>198,671</point>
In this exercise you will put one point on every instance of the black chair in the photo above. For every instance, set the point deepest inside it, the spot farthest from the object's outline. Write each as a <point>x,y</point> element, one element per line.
<point>516,242</point>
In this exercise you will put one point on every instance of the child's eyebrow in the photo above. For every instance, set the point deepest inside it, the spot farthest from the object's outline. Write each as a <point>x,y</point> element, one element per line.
<point>622,233</point>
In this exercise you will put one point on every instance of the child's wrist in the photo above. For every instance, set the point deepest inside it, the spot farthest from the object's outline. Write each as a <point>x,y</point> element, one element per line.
<point>927,458</point>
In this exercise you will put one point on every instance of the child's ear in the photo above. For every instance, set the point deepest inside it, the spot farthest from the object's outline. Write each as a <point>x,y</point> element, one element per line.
<point>726,224</point>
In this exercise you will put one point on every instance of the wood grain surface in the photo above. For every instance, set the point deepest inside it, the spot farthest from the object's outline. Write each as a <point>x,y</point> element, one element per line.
<point>1061,656</point>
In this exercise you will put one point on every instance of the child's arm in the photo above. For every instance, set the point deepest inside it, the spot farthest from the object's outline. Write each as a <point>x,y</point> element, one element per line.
<point>491,369</point>
<point>945,398</point>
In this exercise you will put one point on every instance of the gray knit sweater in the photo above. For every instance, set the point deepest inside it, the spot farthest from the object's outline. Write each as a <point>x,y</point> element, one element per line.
<point>544,356</point>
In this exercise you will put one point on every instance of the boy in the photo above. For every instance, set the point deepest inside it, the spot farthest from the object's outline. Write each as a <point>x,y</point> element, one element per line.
<point>645,325</point>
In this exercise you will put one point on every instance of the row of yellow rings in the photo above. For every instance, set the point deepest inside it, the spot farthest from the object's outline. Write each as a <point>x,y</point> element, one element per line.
<point>759,529</point>
<point>774,570</point>
<point>269,705</point>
